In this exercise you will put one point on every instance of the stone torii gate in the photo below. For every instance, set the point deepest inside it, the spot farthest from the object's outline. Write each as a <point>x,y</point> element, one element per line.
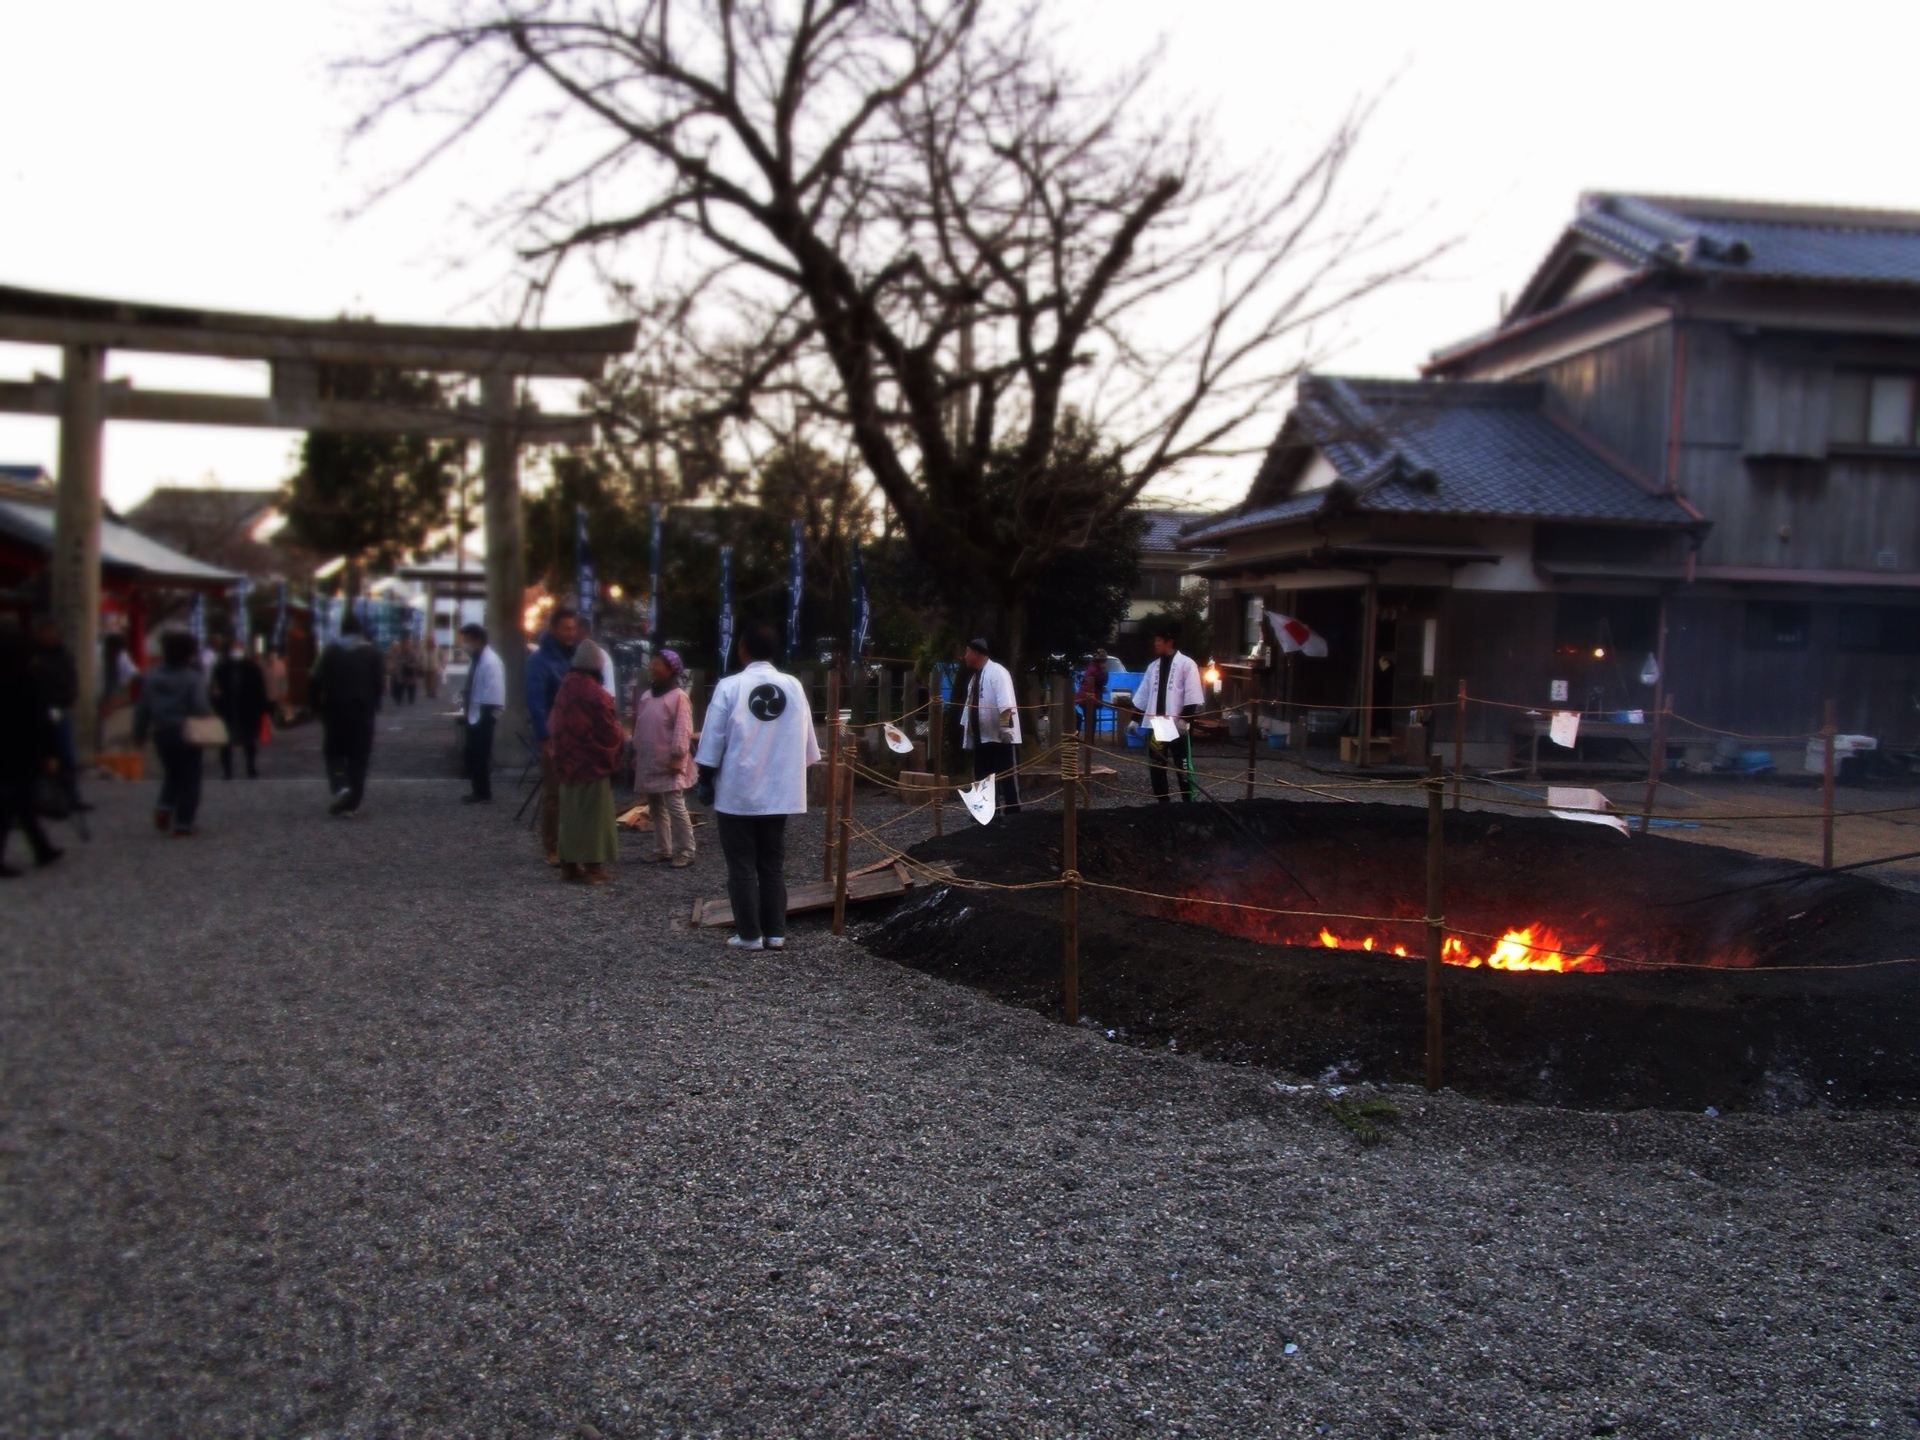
<point>83,400</point>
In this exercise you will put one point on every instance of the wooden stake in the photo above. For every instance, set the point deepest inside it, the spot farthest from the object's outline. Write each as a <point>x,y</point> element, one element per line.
<point>1070,880</point>
<point>846,835</point>
<point>1656,763</point>
<point>937,754</point>
<point>1369,626</point>
<point>1253,744</point>
<point>1459,744</point>
<point>1436,789</point>
<point>1826,792</point>
<point>833,770</point>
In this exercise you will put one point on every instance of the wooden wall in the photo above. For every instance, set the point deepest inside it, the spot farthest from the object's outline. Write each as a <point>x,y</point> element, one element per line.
<point>1717,678</point>
<point>1619,394</point>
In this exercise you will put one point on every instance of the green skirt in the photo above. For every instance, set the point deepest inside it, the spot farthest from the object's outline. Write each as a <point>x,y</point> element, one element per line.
<point>587,833</point>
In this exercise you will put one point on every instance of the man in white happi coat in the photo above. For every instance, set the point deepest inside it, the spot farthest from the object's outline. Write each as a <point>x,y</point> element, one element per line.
<point>755,746</point>
<point>1169,689</point>
<point>990,724</point>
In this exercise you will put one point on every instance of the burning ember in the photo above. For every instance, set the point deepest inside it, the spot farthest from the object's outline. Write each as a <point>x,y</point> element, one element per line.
<point>1533,947</point>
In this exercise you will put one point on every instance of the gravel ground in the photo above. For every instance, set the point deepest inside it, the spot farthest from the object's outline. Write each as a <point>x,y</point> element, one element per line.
<point>366,1127</point>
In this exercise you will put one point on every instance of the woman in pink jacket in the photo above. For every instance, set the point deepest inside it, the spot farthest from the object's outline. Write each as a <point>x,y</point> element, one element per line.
<point>663,766</point>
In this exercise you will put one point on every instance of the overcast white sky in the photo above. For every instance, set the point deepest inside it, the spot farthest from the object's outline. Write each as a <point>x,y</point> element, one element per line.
<point>194,153</point>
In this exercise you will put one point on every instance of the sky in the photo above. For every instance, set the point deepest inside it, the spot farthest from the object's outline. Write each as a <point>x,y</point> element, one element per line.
<point>197,153</point>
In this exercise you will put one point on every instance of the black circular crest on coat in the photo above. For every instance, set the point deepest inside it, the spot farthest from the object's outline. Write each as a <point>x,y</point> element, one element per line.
<point>767,702</point>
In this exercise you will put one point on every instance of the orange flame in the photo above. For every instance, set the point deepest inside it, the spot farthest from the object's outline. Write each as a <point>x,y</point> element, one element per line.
<point>1530,947</point>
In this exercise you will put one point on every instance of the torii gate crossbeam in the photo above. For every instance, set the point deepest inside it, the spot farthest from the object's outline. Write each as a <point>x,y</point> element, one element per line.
<point>86,328</point>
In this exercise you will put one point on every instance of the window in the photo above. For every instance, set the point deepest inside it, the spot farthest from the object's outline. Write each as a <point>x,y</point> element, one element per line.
<point>1603,625</point>
<point>1874,410</point>
<point>1777,625</point>
<point>1252,627</point>
<point>1158,585</point>
<point>1880,629</point>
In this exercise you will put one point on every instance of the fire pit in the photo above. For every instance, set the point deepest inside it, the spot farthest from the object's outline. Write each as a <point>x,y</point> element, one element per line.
<point>1587,968</point>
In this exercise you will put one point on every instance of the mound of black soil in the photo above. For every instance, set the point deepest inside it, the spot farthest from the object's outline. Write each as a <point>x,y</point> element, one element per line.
<point>1785,1011</point>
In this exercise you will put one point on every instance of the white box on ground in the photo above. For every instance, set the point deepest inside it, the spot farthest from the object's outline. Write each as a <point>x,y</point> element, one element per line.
<point>1579,802</point>
<point>1843,746</point>
<point>1576,797</point>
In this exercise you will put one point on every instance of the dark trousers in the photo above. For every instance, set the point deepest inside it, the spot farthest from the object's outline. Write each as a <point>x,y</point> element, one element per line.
<point>756,850</point>
<point>1166,757</point>
<point>180,770</point>
<point>480,755</point>
<point>995,757</point>
<point>16,808</point>
<point>1089,720</point>
<point>346,749</point>
<point>69,760</point>
<point>249,747</point>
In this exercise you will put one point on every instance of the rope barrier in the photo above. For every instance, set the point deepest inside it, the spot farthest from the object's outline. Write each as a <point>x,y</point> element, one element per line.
<point>1072,878</point>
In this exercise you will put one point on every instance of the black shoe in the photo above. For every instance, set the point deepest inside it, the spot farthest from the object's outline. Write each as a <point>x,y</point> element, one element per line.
<point>8,872</point>
<point>476,799</point>
<point>47,856</point>
<point>78,804</point>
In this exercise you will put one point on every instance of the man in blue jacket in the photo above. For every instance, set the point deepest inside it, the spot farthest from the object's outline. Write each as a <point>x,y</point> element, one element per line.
<point>546,668</point>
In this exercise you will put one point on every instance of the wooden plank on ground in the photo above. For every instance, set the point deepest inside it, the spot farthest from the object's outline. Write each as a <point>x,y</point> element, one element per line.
<point>873,884</point>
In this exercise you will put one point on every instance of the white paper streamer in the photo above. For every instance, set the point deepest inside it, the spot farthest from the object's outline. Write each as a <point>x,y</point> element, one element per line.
<point>979,799</point>
<point>897,740</point>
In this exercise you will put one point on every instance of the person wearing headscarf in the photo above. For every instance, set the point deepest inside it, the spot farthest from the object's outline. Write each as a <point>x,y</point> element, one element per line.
<point>663,766</point>
<point>584,728</point>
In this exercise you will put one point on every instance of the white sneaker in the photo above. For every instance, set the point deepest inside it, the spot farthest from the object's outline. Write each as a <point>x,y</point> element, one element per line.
<point>735,942</point>
<point>775,942</point>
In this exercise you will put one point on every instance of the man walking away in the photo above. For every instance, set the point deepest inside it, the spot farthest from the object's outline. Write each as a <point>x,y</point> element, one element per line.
<point>346,688</point>
<point>27,750</point>
<point>755,747</point>
<point>546,668</point>
<point>56,685</point>
<point>486,698</point>
<point>990,725</point>
<point>174,692</point>
<point>239,692</point>
<point>1170,687</point>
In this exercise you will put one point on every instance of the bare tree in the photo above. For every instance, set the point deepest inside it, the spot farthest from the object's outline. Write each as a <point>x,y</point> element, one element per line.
<point>909,219</point>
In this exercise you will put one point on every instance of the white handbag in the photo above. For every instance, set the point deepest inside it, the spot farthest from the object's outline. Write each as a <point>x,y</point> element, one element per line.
<point>205,730</point>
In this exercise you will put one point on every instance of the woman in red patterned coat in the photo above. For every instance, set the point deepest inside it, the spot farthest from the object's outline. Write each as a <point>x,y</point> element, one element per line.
<point>585,729</point>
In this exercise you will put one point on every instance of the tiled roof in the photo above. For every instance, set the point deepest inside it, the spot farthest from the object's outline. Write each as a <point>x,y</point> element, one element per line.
<point>1442,448</point>
<point>1795,242</point>
<point>1164,527</point>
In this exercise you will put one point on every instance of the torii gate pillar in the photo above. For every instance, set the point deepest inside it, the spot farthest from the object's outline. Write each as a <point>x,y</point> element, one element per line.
<point>74,574</point>
<point>506,547</point>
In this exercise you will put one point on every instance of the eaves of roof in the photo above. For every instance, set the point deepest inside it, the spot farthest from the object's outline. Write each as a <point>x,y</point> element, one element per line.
<point>120,548</point>
<point>1474,346</point>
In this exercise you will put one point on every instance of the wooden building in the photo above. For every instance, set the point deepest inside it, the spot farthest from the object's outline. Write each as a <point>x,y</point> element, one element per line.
<point>1692,439</point>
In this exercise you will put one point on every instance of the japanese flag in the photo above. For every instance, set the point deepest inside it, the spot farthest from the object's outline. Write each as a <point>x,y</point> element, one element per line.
<point>1292,636</point>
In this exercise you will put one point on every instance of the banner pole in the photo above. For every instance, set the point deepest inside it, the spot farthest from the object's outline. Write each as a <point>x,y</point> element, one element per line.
<point>833,770</point>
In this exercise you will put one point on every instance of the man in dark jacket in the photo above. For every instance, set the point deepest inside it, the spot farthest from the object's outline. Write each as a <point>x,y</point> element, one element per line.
<point>546,668</point>
<point>346,690</point>
<point>56,685</point>
<point>26,749</point>
<point>239,694</point>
